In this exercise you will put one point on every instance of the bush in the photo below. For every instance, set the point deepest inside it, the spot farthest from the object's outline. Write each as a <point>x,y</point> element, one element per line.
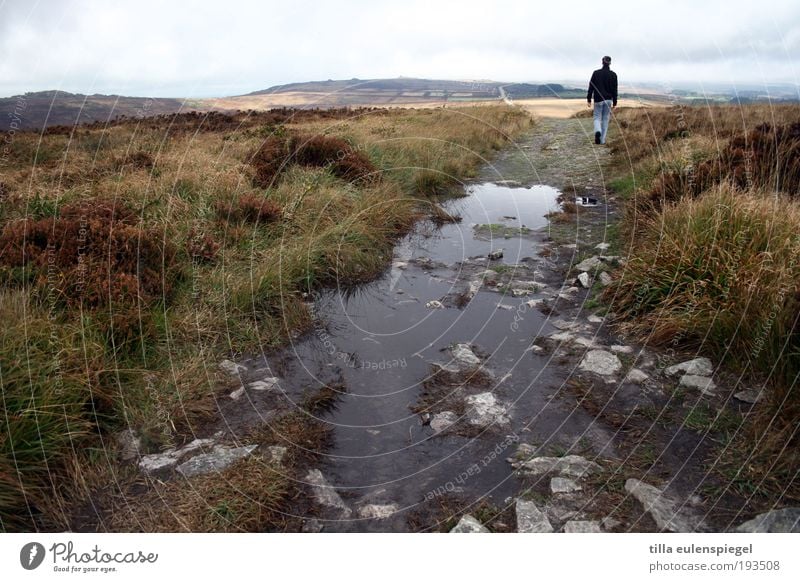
<point>277,153</point>
<point>92,255</point>
<point>766,157</point>
<point>202,247</point>
<point>721,271</point>
<point>248,208</point>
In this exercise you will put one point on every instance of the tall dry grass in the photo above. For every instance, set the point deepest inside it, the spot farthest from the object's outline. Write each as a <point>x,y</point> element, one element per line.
<point>244,257</point>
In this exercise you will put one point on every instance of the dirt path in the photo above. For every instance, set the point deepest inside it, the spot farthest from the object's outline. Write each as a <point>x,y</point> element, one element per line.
<point>479,377</point>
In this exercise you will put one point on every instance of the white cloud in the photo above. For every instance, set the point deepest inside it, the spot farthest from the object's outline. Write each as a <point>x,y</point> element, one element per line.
<point>212,48</point>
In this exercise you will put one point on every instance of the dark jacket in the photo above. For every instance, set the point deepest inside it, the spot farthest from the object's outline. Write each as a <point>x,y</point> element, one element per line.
<point>603,86</point>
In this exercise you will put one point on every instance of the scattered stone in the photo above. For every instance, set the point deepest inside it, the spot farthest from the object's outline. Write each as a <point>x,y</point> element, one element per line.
<point>636,376</point>
<point>484,410</point>
<point>568,466</point>
<point>695,367</point>
<point>231,368</point>
<point>270,383</point>
<point>158,462</point>
<point>443,420</point>
<point>601,362</point>
<point>662,508</point>
<point>238,393</point>
<point>313,525</point>
<point>595,319</point>
<point>275,454</point>
<point>563,324</point>
<point>588,264</point>
<point>463,354</point>
<point>586,342</point>
<point>435,304</point>
<point>495,255</point>
<point>468,524</point>
<point>785,520</point>
<point>219,459</point>
<point>605,279</point>
<point>563,485</point>
<point>129,444</point>
<point>577,526</point>
<point>538,350</point>
<point>603,246</point>
<point>374,511</point>
<point>530,518</point>
<point>561,336</point>
<point>532,303</point>
<point>583,279</point>
<point>751,396</point>
<point>703,383</point>
<point>520,292</point>
<point>620,349</point>
<point>609,523</point>
<point>325,494</point>
<point>505,307</point>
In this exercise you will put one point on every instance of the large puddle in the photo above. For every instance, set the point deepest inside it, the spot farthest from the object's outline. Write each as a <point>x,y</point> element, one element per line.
<point>381,341</point>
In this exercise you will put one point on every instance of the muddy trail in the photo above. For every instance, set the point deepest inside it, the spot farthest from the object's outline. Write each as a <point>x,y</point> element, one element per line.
<point>477,377</point>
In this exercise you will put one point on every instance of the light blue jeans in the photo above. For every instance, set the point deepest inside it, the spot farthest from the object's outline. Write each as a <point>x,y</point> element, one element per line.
<point>602,111</point>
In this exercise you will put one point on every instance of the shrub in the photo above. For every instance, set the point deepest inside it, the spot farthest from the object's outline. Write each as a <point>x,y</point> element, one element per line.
<point>201,246</point>
<point>721,270</point>
<point>248,208</point>
<point>335,153</point>
<point>766,157</point>
<point>92,255</point>
<point>269,160</point>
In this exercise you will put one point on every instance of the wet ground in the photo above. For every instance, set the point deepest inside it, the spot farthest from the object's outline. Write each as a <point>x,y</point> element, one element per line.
<point>470,357</point>
<point>381,342</point>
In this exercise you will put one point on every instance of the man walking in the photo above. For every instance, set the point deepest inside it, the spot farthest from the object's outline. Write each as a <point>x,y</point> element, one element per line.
<point>603,87</point>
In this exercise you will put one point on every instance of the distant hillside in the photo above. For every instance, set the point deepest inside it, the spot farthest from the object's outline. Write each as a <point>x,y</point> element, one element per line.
<point>484,89</point>
<point>48,108</point>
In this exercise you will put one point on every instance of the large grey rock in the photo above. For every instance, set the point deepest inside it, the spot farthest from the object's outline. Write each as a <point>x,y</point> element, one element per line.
<point>219,459</point>
<point>231,368</point>
<point>785,520</point>
<point>564,485</point>
<point>275,454</point>
<point>584,280</point>
<point>463,354</point>
<point>376,511</point>
<point>578,526</point>
<point>601,362</point>
<point>443,420</point>
<point>663,509</point>
<point>469,524</point>
<point>696,367</point>
<point>483,410</point>
<point>325,494</point>
<point>157,462</point>
<point>530,519</point>
<point>589,264</point>
<point>750,396</point>
<point>703,383</point>
<point>568,466</point>
<point>129,444</point>
<point>269,383</point>
<point>605,279</point>
<point>636,376</point>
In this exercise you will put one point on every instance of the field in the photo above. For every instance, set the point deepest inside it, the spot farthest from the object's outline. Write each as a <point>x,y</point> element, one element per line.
<point>135,256</point>
<point>710,231</point>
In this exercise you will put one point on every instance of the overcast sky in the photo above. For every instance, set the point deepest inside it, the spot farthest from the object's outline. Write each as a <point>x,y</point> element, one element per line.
<point>228,47</point>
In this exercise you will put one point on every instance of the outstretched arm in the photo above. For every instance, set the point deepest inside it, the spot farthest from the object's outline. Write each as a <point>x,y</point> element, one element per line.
<point>614,87</point>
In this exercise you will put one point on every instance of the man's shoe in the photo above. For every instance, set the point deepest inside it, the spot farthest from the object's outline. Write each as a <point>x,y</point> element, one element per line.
<point>597,137</point>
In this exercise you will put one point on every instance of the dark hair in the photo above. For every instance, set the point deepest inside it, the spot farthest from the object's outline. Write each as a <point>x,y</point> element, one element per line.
<point>606,60</point>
